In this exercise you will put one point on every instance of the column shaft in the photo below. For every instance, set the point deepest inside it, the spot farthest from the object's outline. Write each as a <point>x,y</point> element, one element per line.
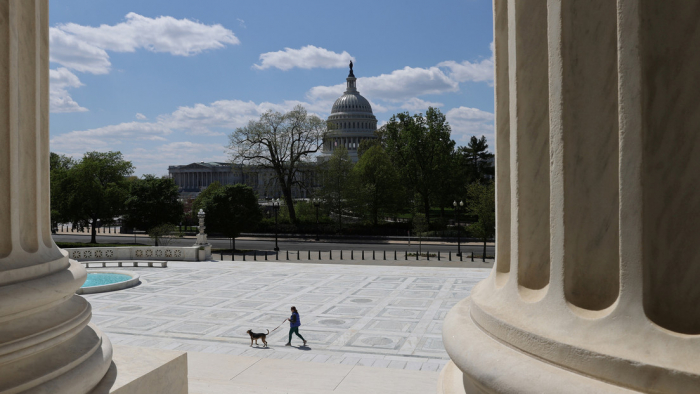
<point>584,146</point>
<point>669,57</point>
<point>502,127</point>
<point>529,141</point>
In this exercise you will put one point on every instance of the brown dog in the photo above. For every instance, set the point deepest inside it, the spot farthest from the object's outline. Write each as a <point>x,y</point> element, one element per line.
<point>255,336</point>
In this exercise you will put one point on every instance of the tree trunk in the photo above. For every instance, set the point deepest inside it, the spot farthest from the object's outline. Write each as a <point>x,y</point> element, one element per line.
<point>287,192</point>
<point>93,233</point>
<point>426,206</point>
<point>340,218</point>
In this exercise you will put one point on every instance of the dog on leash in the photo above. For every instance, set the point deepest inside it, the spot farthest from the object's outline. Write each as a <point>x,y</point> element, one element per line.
<point>255,336</point>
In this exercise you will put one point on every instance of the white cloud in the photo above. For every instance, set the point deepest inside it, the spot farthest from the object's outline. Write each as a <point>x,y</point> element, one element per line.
<point>103,138</point>
<point>59,99</point>
<point>84,48</point>
<point>404,86</point>
<point>307,57</point>
<point>63,78</point>
<point>181,37</point>
<point>241,23</point>
<point>467,122</point>
<point>201,119</point>
<point>76,54</point>
<point>141,116</point>
<point>471,72</point>
<point>156,160</point>
<point>419,105</point>
<point>399,85</point>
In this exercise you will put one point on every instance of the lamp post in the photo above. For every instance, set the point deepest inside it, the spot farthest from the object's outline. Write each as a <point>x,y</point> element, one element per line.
<point>317,203</point>
<point>276,207</point>
<point>459,235</point>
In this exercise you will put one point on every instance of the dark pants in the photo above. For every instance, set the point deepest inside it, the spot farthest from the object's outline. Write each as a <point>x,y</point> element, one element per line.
<point>295,330</point>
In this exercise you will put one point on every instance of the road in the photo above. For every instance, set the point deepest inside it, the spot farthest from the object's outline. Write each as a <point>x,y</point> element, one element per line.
<point>289,244</point>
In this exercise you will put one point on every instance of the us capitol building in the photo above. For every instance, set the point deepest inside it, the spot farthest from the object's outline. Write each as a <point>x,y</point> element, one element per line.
<point>351,122</point>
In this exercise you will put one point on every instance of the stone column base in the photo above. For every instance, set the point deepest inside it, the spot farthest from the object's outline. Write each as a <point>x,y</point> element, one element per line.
<point>481,364</point>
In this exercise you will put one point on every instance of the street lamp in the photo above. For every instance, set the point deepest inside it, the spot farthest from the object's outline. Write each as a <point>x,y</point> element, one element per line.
<point>459,235</point>
<point>276,207</point>
<point>317,203</point>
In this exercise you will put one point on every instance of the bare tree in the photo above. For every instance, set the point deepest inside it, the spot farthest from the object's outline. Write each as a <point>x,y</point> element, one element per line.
<point>283,143</point>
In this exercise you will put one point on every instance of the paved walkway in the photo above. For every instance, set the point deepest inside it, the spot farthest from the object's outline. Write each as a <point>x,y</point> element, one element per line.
<point>364,315</point>
<point>225,374</point>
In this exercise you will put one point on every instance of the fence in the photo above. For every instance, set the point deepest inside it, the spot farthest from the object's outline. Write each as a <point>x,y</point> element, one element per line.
<point>360,255</point>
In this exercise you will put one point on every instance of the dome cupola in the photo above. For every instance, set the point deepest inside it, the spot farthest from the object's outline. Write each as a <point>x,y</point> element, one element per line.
<point>351,120</point>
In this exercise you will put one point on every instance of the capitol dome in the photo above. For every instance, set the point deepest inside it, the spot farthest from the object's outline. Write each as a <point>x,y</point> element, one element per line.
<point>351,121</point>
<point>351,103</point>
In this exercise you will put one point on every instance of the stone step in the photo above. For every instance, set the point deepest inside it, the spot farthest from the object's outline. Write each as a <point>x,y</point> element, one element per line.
<point>224,373</point>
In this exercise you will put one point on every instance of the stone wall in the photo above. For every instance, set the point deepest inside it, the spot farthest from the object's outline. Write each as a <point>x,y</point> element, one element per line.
<point>170,253</point>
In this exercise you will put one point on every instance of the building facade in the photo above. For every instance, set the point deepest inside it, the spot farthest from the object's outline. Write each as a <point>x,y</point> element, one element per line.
<point>195,177</point>
<point>192,178</point>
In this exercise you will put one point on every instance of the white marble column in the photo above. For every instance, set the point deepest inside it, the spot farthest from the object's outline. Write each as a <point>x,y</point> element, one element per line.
<point>611,305</point>
<point>529,143</point>
<point>46,342</point>
<point>502,106</point>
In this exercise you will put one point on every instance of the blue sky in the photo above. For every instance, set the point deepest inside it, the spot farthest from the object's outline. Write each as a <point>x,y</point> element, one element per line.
<point>165,82</point>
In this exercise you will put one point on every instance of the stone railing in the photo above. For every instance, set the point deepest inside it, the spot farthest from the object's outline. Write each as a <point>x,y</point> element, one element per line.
<point>171,253</point>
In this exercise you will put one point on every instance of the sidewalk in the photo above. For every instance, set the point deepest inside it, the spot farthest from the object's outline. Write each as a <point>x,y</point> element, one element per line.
<point>224,373</point>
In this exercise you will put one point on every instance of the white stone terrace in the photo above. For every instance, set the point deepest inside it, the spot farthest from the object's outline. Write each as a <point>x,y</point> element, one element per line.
<point>364,315</point>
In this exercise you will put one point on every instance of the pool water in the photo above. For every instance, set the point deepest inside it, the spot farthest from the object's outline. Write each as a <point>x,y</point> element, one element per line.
<point>104,279</point>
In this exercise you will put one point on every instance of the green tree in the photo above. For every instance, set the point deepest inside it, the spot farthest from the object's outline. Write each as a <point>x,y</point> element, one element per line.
<point>366,144</point>
<point>283,143</point>
<point>60,166</point>
<point>482,203</point>
<point>153,202</point>
<point>232,209</point>
<point>476,161</point>
<point>452,186</point>
<point>203,196</point>
<point>420,225</point>
<point>96,188</point>
<point>378,191</point>
<point>337,182</point>
<point>420,147</point>
<point>162,234</point>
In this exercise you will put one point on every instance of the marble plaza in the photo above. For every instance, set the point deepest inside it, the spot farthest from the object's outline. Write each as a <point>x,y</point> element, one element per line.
<point>375,316</point>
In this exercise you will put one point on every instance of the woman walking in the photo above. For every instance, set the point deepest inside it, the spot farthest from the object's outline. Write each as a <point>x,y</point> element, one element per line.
<point>294,323</point>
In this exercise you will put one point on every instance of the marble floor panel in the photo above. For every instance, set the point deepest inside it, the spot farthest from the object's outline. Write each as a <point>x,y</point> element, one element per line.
<point>378,316</point>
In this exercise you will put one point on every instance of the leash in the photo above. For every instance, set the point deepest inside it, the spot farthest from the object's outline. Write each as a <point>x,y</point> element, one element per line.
<point>277,327</point>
